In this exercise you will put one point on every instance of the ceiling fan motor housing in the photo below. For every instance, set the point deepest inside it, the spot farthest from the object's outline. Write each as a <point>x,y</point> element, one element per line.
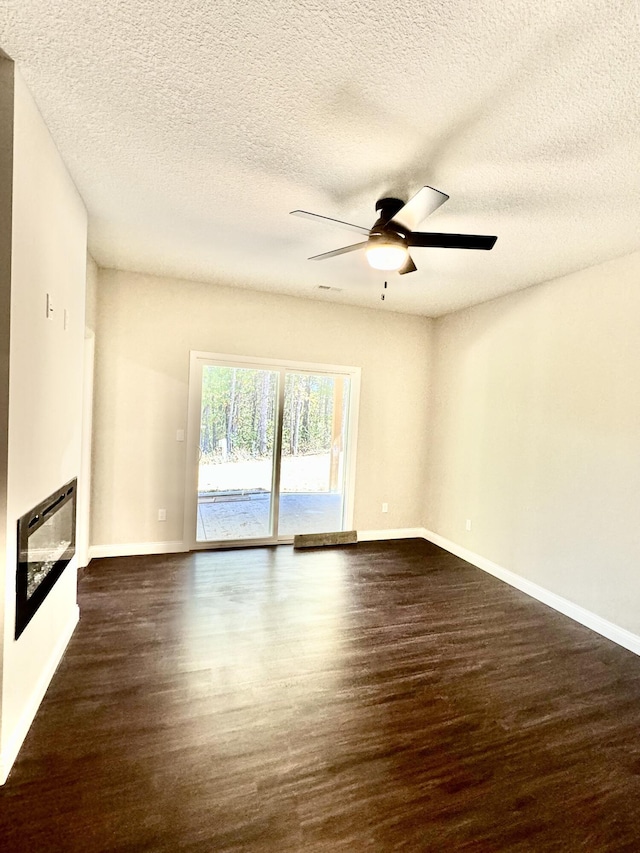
<point>380,232</point>
<point>387,208</point>
<point>386,238</point>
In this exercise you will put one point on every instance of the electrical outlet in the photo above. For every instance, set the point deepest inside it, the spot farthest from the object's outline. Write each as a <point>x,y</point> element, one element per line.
<point>162,515</point>
<point>385,507</point>
<point>180,435</point>
<point>468,525</point>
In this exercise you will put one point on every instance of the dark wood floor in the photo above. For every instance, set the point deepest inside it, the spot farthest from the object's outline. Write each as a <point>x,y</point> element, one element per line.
<point>372,698</point>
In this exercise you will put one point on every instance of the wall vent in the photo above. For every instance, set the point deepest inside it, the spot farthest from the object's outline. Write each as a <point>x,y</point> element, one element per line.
<point>317,540</point>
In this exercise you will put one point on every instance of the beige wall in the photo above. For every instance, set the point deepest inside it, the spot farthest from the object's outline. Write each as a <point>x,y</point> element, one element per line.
<point>536,436</point>
<point>84,479</point>
<point>49,228</point>
<point>91,300</point>
<point>146,328</point>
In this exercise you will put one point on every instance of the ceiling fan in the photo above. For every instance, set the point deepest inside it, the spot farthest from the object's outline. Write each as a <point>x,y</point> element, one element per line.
<point>392,235</point>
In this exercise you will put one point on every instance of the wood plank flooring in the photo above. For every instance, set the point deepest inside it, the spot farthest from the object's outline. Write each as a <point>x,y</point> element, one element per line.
<point>379,697</point>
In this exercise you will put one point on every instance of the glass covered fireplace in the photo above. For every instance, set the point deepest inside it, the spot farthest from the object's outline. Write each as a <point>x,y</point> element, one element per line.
<point>46,544</point>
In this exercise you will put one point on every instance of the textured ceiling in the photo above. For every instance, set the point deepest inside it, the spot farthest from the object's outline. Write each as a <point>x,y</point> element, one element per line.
<point>193,128</point>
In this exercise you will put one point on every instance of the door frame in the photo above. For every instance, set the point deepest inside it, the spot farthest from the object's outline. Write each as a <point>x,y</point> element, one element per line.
<point>197,359</point>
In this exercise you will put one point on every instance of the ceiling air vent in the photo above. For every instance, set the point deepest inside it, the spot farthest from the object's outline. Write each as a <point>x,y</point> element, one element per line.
<point>328,287</point>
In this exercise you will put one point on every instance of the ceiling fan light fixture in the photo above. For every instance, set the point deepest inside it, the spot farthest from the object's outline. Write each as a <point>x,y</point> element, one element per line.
<point>387,256</point>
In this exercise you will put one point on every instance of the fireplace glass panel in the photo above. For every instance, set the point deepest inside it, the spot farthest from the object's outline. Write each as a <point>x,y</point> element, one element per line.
<point>46,544</point>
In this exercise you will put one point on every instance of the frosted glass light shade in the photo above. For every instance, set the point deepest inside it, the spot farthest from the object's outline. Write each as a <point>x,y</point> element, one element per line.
<point>387,256</point>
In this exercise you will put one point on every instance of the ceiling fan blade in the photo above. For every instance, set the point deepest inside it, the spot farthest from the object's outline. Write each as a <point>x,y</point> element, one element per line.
<point>306,215</point>
<point>421,205</point>
<point>450,241</point>
<point>408,267</point>
<point>352,248</point>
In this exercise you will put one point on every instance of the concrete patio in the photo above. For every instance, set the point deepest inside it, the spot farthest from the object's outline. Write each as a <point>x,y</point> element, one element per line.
<point>246,515</point>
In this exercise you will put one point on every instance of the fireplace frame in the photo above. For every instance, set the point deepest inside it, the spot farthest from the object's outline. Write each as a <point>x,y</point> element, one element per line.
<point>28,524</point>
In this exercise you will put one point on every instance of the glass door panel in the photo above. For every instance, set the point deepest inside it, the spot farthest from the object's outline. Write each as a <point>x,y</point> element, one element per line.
<point>312,475</point>
<point>236,453</point>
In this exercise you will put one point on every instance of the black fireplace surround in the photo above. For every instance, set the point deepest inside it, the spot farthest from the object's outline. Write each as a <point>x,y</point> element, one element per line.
<point>46,544</point>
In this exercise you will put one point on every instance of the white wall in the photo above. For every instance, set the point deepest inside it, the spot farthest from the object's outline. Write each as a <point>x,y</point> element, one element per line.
<point>45,396</point>
<point>6,190</point>
<point>536,436</point>
<point>146,328</point>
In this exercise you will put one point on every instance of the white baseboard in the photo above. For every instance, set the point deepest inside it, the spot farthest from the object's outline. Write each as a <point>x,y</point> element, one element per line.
<point>585,617</point>
<point>16,738</point>
<point>397,533</point>
<point>136,549</point>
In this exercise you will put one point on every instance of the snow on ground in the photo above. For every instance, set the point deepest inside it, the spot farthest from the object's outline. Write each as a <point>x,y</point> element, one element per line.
<point>299,474</point>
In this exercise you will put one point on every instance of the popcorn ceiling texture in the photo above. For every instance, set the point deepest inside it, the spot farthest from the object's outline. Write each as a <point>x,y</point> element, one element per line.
<point>193,128</point>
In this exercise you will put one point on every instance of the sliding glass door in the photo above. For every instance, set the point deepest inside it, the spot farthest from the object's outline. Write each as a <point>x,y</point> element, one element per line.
<point>270,450</point>
<point>312,482</point>
<point>235,453</point>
